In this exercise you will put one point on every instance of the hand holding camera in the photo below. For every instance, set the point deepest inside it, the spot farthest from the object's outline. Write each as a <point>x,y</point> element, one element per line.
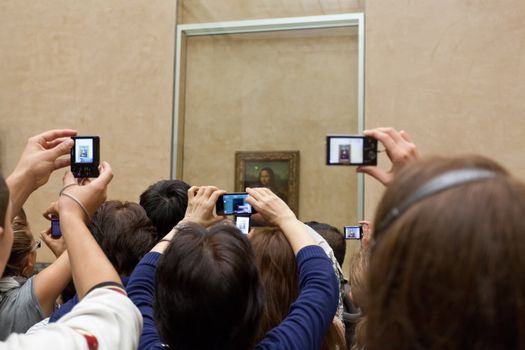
<point>201,203</point>
<point>399,148</point>
<point>272,208</point>
<point>83,200</point>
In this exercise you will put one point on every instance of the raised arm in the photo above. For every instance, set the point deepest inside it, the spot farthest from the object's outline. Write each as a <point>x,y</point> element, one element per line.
<point>42,155</point>
<point>51,281</point>
<point>399,148</point>
<point>274,210</point>
<point>312,313</point>
<point>77,204</point>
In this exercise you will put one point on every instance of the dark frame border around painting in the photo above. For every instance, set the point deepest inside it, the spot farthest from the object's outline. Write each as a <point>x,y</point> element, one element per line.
<point>277,170</point>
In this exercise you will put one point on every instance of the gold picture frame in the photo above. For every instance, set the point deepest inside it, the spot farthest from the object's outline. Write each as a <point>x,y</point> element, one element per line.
<point>277,170</point>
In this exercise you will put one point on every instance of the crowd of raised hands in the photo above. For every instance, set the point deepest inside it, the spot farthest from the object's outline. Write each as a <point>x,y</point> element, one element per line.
<point>204,285</point>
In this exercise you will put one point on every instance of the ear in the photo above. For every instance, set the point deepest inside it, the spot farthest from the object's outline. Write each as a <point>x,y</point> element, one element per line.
<point>1,231</point>
<point>28,266</point>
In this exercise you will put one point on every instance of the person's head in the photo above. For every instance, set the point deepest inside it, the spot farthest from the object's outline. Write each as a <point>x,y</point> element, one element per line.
<point>266,177</point>
<point>276,263</point>
<point>165,203</point>
<point>332,236</point>
<point>208,291</point>
<point>124,233</point>
<point>22,258</point>
<point>446,272</point>
<point>6,232</point>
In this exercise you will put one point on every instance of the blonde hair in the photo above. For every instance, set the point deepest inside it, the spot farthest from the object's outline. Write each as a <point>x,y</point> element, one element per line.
<point>22,245</point>
<point>358,281</point>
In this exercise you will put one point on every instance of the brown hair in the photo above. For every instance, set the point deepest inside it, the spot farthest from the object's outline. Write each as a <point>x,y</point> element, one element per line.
<point>448,273</point>
<point>276,263</point>
<point>22,245</point>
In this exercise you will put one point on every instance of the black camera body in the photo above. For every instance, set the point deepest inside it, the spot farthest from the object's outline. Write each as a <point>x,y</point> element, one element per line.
<point>85,156</point>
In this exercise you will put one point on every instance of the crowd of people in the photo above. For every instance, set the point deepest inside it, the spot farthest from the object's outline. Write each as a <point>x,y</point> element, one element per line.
<point>439,267</point>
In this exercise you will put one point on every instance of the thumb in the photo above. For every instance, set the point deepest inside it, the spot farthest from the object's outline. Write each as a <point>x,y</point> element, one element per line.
<point>68,178</point>
<point>377,173</point>
<point>44,235</point>
<point>106,174</point>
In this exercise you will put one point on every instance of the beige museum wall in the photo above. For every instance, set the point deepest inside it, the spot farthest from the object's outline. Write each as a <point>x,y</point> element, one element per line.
<point>101,67</point>
<point>452,74</point>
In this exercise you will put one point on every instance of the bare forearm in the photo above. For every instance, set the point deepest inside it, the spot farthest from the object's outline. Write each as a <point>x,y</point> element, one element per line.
<point>51,282</point>
<point>296,234</point>
<point>19,191</point>
<point>89,265</point>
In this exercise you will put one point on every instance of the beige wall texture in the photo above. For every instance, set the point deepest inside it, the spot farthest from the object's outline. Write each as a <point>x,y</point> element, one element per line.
<point>452,74</point>
<point>101,67</point>
<point>200,11</point>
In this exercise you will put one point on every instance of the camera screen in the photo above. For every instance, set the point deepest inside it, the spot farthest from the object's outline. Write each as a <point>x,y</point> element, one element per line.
<point>236,204</point>
<point>345,150</point>
<point>352,232</point>
<point>84,150</point>
<point>243,223</point>
<point>350,150</point>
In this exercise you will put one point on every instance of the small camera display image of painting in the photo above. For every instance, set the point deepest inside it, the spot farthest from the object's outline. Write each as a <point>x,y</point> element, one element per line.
<point>346,150</point>
<point>84,151</point>
<point>344,154</point>
<point>277,171</point>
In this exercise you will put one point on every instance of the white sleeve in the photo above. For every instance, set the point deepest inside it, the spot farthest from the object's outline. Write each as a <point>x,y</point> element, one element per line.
<point>107,315</point>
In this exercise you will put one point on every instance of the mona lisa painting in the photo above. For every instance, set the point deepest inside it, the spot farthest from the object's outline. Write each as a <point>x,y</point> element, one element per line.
<point>278,171</point>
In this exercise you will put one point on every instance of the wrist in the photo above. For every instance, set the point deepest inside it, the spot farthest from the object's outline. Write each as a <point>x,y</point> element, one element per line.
<point>71,220</point>
<point>20,189</point>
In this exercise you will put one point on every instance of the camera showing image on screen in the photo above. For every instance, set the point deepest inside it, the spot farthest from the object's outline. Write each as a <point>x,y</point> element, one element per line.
<point>243,223</point>
<point>351,150</point>
<point>85,156</point>
<point>233,204</point>
<point>353,232</point>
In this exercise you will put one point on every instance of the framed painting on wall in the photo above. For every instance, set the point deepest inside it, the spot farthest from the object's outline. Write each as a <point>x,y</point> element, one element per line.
<point>276,170</point>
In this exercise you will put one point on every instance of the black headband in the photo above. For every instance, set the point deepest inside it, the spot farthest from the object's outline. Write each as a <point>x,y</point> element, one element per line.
<point>433,186</point>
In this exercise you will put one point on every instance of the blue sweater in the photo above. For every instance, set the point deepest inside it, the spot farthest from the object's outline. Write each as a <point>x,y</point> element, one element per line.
<point>305,326</point>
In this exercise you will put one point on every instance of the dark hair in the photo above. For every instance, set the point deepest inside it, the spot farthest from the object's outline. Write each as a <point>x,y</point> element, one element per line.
<point>22,245</point>
<point>4,201</point>
<point>448,272</point>
<point>334,238</point>
<point>208,291</point>
<point>124,234</point>
<point>165,203</point>
<point>276,263</point>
